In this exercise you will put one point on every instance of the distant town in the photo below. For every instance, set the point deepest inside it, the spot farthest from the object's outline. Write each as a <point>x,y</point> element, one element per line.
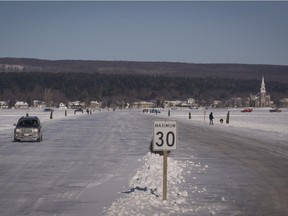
<point>35,83</point>
<point>261,99</point>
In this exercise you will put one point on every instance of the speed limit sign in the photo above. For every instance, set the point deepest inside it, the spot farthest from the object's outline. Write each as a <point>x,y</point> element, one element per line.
<point>164,139</point>
<point>164,135</point>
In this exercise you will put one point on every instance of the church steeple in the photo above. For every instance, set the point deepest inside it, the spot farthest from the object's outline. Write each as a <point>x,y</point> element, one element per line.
<point>263,98</point>
<point>262,89</point>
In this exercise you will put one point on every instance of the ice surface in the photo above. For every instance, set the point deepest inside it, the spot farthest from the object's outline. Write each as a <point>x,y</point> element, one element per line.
<point>142,195</point>
<point>145,198</point>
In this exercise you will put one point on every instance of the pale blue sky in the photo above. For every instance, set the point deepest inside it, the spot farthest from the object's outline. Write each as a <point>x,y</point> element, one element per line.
<point>193,32</point>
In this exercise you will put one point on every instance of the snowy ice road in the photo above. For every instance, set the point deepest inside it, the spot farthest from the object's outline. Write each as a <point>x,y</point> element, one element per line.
<point>250,174</point>
<point>84,162</point>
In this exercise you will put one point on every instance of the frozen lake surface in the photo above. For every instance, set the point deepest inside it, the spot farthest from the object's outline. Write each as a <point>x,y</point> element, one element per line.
<point>100,164</point>
<point>260,119</point>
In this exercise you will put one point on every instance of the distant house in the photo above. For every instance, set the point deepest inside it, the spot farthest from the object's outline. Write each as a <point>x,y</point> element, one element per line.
<point>95,104</point>
<point>3,105</point>
<point>76,105</point>
<point>184,104</point>
<point>216,104</point>
<point>190,102</point>
<point>235,102</point>
<point>21,105</point>
<point>284,103</point>
<point>62,106</point>
<point>172,103</point>
<point>142,104</point>
<point>38,104</point>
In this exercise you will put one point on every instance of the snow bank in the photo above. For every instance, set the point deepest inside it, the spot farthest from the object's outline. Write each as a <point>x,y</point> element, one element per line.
<point>144,193</point>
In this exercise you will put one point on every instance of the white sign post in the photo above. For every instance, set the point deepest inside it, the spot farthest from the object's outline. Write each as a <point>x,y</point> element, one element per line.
<point>164,139</point>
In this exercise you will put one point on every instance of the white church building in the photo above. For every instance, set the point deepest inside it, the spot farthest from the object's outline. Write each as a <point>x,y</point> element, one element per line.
<point>262,99</point>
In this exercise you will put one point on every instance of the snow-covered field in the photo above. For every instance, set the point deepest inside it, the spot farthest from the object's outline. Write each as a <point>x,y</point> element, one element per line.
<point>8,117</point>
<point>260,119</point>
<point>143,193</point>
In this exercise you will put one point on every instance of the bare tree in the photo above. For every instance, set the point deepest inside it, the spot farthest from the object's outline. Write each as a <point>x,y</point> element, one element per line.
<point>48,97</point>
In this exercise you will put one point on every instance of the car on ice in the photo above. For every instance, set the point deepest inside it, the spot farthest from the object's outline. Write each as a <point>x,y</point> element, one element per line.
<point>275,110</point>
<point>247,110</point>
<point>28,128</point>
<point>155,111</point>
<point>78,110</point>
<point>48,110</point>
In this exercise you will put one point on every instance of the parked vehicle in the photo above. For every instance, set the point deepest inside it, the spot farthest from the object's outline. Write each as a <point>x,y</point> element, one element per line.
<point>78,110</point>
<point>275,110</point>
<point>145,110</point>
<point>48,110</point>
<point>155,111</point>
<point>247,110</point>
<point>28,128</point>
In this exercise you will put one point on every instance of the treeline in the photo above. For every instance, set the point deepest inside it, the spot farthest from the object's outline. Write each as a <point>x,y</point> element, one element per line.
<point>64,87</point>
<point>275,73</point>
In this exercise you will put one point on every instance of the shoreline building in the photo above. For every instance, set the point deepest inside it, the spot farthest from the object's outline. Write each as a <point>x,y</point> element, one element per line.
<point>262,99</point>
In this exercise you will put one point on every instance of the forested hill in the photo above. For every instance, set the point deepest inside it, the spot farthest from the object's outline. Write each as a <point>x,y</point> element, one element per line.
<point>113,81</point>
<point>275,73</point>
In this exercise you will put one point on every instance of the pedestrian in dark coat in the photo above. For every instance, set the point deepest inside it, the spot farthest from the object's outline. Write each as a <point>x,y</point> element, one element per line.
<point>211,117</point>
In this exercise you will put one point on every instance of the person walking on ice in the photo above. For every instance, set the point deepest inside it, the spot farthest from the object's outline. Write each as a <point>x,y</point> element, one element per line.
<point>211,118</point>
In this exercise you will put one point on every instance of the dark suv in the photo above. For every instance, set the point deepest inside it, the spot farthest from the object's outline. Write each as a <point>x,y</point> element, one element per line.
<point>28,128</point>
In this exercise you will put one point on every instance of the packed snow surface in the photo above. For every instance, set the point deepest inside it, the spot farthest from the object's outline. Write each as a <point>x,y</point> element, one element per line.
<point>143,193</point>
<point>260,119</point>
